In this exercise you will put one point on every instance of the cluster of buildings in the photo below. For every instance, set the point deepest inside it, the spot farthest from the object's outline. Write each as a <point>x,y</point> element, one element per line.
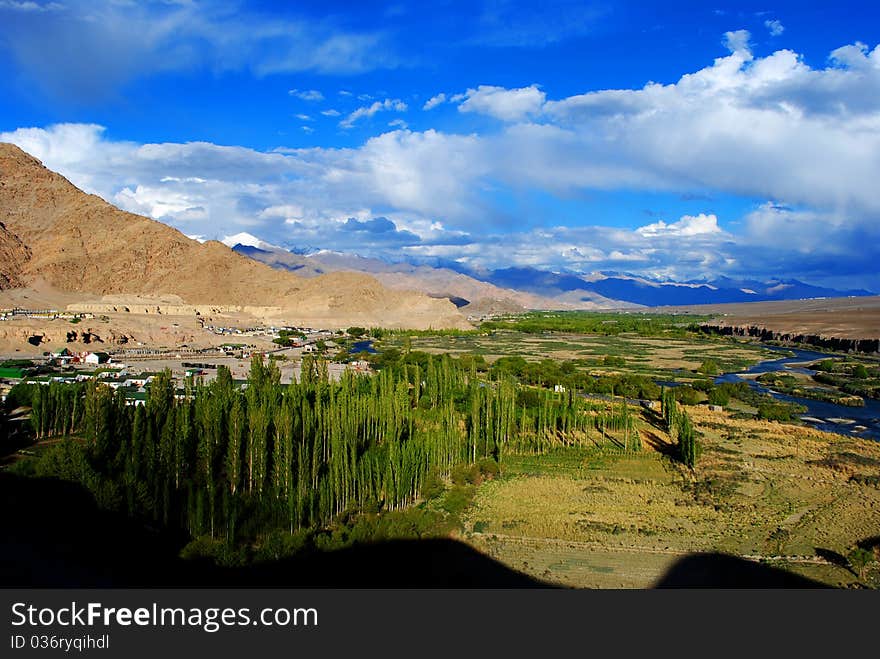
<point>65,357</point>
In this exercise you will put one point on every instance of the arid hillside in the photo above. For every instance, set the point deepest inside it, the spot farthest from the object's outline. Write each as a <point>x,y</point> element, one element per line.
<point>79,243</point>
<point>14,256</point>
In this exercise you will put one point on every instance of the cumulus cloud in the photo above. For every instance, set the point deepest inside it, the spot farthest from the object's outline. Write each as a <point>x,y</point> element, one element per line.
<point>689,225</point>
<point>331,113</point>
<point>770,127</point>
<point>504,104</point>
<point>775,27</point>
<point>434,101</point>
<point>369,110</point>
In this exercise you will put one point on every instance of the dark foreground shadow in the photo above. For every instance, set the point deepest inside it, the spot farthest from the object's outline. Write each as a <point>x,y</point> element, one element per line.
<point>53,535</point>
<point>723,571</point>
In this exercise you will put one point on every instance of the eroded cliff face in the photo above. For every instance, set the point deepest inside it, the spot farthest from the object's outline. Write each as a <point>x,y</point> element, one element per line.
<point>79,243</point>
<point>838,344</point>
<point>14,256</point>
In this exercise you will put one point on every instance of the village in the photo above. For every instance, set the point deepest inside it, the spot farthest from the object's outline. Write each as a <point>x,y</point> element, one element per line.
<point>131,369</point>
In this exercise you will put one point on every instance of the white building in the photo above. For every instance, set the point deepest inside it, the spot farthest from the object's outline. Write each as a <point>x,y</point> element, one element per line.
<point>97,358</point>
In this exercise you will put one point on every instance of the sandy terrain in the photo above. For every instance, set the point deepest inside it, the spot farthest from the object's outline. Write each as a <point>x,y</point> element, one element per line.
<point>846,318</point>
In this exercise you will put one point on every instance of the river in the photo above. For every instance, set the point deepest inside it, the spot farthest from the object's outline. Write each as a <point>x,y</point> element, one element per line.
<point>362,346</point>
<point>824,416</point>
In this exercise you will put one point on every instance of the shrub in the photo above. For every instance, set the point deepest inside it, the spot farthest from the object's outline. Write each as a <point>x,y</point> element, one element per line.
<point>458,499</point>
<point>709,367</point>
<point>859,560</point>
<point>718,397</point>
<point>281,544</point>
<point>774,412</point>
<point>489,468</point>
<point>217,551</point>
<point>687,395</point>
<point>433,486</point>
<point>466,474</point>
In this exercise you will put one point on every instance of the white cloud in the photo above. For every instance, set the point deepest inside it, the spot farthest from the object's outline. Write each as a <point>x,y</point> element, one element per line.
<point>307,95</point>
<point>284,211</point>
<point>434,101</point>
<point>304,117</point>
<point>398,123</point>
<point>504,104</point>
<point>688,225</point>
<point>856,56</point>
<point>737,41</point>
<point>369,110</point>
<point>775,27</point>
<point>770,127</point>
<point>330,113</point>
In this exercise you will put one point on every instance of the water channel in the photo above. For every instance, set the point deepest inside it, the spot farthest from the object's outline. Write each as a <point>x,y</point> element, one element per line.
<point>856,421</point>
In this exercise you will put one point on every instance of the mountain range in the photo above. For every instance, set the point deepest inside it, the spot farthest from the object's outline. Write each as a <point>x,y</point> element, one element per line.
<point>57,236</point>
<point>518,288</point>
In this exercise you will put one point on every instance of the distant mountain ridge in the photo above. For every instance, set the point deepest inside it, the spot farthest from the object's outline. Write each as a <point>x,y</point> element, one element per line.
<point>532,288</point>
<point>475,297</point>
<point>647,292</point>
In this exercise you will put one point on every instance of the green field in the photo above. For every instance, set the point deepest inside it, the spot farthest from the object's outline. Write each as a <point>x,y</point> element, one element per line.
<point>663,358</point>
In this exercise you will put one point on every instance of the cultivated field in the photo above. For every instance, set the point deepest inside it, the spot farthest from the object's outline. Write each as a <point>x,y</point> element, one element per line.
<point>795,497</point>
<point>660,357</point>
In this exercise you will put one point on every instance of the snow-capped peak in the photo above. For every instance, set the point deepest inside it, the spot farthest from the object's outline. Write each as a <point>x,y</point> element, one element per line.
<point>247,240</point>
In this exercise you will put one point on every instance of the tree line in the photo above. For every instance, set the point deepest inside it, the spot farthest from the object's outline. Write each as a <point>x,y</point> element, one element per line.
<point>215,459</point>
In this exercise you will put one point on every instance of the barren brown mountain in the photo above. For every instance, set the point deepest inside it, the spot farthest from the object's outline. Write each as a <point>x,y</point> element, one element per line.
<point>79,243</point>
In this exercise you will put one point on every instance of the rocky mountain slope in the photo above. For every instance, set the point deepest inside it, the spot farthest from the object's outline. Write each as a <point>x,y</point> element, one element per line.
<point>80,243</point>
<point>14,256</point>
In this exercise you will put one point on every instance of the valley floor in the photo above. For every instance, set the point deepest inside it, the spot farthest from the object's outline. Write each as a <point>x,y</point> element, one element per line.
<point>788,496</point>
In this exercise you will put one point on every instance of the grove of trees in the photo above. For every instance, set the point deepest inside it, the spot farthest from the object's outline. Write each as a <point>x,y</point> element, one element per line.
<point>213,459</point>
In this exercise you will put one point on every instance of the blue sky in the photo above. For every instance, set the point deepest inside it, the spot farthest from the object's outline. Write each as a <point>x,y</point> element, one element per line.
<point>676,140</point>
